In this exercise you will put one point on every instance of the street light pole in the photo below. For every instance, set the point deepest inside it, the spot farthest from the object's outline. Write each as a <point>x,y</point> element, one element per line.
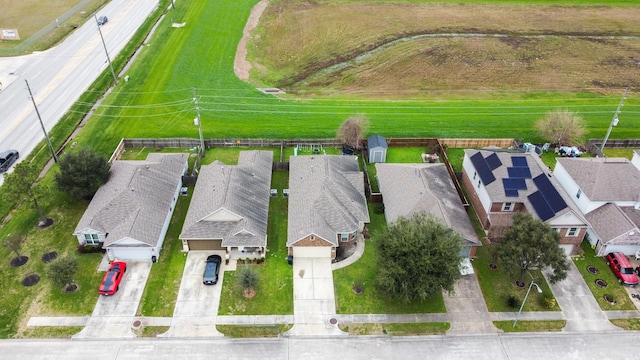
<point>614,121</point>
<point>46,136</point>
<point>525,300</point>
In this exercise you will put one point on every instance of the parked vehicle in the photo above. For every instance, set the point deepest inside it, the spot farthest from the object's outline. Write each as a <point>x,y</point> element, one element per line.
<point>622,268</point>
<point>7,158</point>
<point>211,270</point>
<point>111,281</point>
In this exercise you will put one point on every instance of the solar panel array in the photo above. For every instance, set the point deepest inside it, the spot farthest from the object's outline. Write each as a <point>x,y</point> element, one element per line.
<point>546,201</point>
<point>483,169</point>
<point>517,175</point>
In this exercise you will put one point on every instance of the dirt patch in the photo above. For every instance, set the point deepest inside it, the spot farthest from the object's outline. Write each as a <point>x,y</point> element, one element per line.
<point>241,66</point>
<point>522,47</point>
<point>19,261</point>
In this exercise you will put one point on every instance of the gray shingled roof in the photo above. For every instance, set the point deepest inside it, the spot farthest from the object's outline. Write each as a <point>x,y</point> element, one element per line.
<point>240,191</point>
<point>409,188</point>
<point>536,166</point>
<point>614,225</point>
<point>604,179</point>
<point>326,196</point>
<point>135,202</point>
<point>376,141</point>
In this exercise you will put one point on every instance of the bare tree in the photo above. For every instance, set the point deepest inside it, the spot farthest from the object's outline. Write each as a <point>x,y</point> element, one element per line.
<point>351,131</point>
<point>14,242</point>
<point>562,127</point>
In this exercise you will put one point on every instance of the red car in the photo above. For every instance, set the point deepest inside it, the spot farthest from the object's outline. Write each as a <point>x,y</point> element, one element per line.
<point>111,282</point>
<point>622,268</point>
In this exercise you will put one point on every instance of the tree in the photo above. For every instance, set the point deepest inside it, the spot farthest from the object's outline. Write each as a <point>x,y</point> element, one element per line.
<point>248,279</point>
<point>14,242</point>
<point>22,185</point>
<point>82,173</point>
<point>530,243</point>
<point>418,257</point>
<point>351,131</point>
<point>62,271</point>
<point>561,127</point>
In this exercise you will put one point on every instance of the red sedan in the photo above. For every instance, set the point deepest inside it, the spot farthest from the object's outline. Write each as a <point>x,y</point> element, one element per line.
<point>111,282</point>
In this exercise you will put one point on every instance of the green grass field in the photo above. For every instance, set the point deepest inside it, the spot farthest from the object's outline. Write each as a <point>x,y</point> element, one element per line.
<point>157,101</point>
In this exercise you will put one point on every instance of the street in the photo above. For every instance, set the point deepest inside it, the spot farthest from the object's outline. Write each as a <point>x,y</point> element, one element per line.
<point>548,346</point>
<point>59,76</point>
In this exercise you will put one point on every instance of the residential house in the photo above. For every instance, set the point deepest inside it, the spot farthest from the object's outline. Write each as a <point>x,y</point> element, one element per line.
<point>327,206</point>
<point>230,207</point>
<point>607,192</point>
<point>410,188</point>
<point>500,183</point>
<point>129,215</point>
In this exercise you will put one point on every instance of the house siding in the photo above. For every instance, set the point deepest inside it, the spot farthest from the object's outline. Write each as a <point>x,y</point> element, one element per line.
<point>475,200</point>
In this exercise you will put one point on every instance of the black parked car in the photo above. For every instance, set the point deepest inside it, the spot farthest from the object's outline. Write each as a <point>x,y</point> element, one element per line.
<point>7,158</point>
<point>211,270</point>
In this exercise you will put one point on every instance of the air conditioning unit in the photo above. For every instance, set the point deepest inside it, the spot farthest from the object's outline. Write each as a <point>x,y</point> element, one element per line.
<point>285,193</point>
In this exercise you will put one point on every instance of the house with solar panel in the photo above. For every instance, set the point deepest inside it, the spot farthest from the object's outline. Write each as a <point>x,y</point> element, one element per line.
<point>607,192</point>
<point>501,183</point>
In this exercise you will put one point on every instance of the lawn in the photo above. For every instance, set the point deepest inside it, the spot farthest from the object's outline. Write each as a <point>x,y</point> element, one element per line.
<point>275,290</point>
<point>621,297</point>
<point>231,108</point>
<point>530,325</point>
<point>396,329</point>
<point>373,300</point>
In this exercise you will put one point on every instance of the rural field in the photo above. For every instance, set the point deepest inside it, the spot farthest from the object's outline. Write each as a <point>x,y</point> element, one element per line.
<point>431,86</point>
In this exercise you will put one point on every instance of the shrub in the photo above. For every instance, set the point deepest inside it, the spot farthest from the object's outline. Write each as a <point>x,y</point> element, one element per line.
<point>378,208</point>
<point>548,301</point>
<point>248,278</point>
<point>513,301</point>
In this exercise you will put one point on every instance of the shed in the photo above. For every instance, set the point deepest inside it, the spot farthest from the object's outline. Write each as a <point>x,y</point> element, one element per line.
<point>377,146</point>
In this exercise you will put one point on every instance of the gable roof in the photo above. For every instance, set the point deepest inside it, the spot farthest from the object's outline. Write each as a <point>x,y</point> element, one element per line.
<point>239,194</point>
<point>522,178</point>
<point>376,141</point>
<point>136,200</point>
<point>326,196</point>
<point>410,188</point>
<point>604,179</point>
<point>615,225</point>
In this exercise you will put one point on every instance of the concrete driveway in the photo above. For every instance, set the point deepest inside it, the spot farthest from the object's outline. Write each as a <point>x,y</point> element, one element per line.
<point>314,304</point>
<point>113,315</point>
<point>197,304</point>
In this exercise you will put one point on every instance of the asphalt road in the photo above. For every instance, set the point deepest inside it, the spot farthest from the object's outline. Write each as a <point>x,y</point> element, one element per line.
<point>548,346</point>
<point>59,76</point>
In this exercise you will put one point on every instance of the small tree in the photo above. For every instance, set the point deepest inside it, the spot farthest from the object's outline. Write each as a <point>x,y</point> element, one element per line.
<point>22,185</point>
<point>248,280</point>
<point>530,243</point>
<point>351,131</point>
<point>62,271</point>
<point>14,242</point>
<point>82,173</point>
<point>562,127</point>
<point>418,257</point>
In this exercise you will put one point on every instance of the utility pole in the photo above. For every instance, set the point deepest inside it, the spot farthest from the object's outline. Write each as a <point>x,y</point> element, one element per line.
<point>46,136</point>
<point>115,79</point>
<point>614,121</point>
<point>197,122</point>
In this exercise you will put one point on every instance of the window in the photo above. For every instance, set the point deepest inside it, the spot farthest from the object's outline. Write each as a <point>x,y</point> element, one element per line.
<point>507,206</point>
<point>579,193</point>
<point>344,237</point>
<point>572,232</point>
<point>91,239</point>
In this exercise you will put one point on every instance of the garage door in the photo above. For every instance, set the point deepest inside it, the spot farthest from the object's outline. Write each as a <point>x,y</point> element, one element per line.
<point>312,251</point>
<point>567,248</point>
<point>629,250</point>
<point>205,245</point>
<point>130,253</point>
